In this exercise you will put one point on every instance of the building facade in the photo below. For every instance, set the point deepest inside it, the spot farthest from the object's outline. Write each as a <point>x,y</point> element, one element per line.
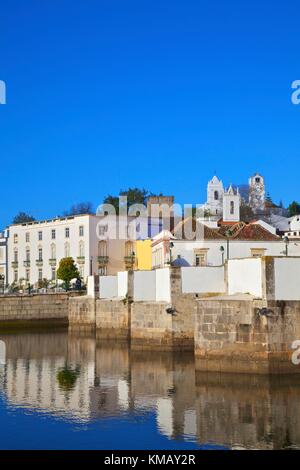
<point>3,258</point>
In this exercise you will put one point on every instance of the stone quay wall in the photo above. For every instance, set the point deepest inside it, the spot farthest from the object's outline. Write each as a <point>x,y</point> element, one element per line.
<point>246,336</point>
<point>113,319</point>
<point>36,307</point>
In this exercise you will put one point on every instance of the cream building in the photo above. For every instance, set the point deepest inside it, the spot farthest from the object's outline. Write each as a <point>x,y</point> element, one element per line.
<point>35,248</point>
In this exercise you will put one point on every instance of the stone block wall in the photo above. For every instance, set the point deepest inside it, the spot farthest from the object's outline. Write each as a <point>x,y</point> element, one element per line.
<point>231,336</point>
<point>112,319</point>
<point>82,312</point>
<point>51,307</point>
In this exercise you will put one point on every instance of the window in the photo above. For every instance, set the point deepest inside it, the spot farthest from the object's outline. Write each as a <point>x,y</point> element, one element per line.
<point>216,196</point>
<point>81,249</point>
<point>15,238</point>
<point>257,180</point>
<point>15,276</point>
<point>67,250</point>
<point>257,252</point>
<point>27,275</point>
<point>27,237</point>
<point>27,254</point>
<point>67,232</point>
<point>81,272</point>
<point>53,234</point>
<point>102,271</point>
<point>16,256</point>
<point>81,231</point>
<point>231,207</point>
<point>102,248</point>
<point>40,236</point>
<point>40,274</point>
<point>201,257</point>
<point>53,274</point>
<point>53,251</point>
<point>102,230</point>
<point>40,254</point>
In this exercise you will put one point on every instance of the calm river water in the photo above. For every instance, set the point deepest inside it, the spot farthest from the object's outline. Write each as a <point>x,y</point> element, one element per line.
<point>67,391</point>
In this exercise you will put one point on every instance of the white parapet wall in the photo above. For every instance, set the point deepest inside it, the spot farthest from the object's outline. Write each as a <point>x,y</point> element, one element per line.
<point>287,278</point>
<point>108,287</point>
<point>122,279</point>
<point>203,279</point>
<point>144,286</point>
<point>245,276</point>
<point>163,285</point>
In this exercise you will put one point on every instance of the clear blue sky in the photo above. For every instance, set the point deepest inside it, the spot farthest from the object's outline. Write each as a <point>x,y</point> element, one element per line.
<point>106,94</point>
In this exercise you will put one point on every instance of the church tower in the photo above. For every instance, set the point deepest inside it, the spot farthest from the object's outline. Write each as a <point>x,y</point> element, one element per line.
<point>257,193</point>
<point>215,191</point>
<point>231,205</point>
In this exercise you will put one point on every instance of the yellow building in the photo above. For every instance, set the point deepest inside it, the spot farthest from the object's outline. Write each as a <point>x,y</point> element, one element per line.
<point>143,255</point>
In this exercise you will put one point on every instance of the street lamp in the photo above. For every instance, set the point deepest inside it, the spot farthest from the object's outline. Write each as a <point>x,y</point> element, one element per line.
<point>228,235</point>
<point>171,246</point>
<point>2,278</point>
<point>286,241</point>
<point>91,266</point>
<point>222,250</point>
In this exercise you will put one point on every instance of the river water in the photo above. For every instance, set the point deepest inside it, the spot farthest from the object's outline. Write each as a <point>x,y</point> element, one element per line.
<point>69,391</point>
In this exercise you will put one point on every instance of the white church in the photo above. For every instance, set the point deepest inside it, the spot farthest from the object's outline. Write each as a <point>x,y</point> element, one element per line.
<point>254,197</point>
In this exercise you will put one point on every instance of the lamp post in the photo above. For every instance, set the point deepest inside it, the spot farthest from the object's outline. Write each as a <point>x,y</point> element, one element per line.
<point>2,278</point>
<point>222,250</point>
<point>91,266</point>
<point>171,246</point>
<point>286,241</point>
<point>227,235</point>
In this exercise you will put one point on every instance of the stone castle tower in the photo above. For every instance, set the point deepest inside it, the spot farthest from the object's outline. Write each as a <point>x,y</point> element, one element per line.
<point>257,193</point>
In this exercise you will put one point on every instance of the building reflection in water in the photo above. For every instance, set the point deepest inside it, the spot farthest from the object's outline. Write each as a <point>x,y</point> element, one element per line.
<point>77,378</point>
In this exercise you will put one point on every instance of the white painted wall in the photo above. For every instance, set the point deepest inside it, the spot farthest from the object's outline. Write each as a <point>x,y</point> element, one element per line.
<point>203,279</point>
<point>287,278</point>
<point>144,286</point>
<point>122,280</point>
<point>245,276</point>
<point>163,285</point>
<point>108,286</point>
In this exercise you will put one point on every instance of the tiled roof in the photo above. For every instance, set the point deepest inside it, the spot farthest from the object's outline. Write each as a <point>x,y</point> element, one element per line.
<point>237,231</point>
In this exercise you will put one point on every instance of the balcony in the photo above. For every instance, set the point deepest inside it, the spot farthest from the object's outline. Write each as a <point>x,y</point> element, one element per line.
<point>103,260</point>
<point>26,263</point>
<point>39,262</point>
<point>52,261</point>
<point>129,261</point>
<point>80,259</point>
<point>14,264</point>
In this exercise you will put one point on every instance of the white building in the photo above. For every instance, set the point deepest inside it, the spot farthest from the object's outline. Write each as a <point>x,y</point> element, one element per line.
<point>3,257</point>
<point>293,231</point>
<point>215,192</point>
<point>257,193</point>
<point>229,241</point>
<point>231,205</point>
<point>35,248</point>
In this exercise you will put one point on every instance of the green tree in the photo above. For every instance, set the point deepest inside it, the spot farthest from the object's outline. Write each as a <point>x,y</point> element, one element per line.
<point>22,218</point>
<point>67,271</point>
<point>294,209</point>
<point>81,208</point>
<point>246,213</point>
<point>134,196</point>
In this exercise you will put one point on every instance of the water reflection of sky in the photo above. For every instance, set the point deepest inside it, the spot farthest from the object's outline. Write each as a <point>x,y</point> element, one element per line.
<point>60,391</point>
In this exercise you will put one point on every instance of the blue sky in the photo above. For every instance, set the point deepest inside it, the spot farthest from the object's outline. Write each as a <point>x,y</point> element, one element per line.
<point>106,94</point>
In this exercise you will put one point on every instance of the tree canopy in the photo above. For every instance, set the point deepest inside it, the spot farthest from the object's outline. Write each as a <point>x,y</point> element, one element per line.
<point>134,196</point>
<point>67,271</point>
<point>80,208</point>
<point>22,218</point>
<point>294,209</point>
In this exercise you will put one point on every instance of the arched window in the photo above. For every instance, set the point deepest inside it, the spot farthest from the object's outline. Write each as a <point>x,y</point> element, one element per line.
<point>102,248</point>
<point>81,249</point>
<point>231,207</point>
<point>216,196</point>
<point>53,251</point>
<point>67,250</point>
<point>128,248</point>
